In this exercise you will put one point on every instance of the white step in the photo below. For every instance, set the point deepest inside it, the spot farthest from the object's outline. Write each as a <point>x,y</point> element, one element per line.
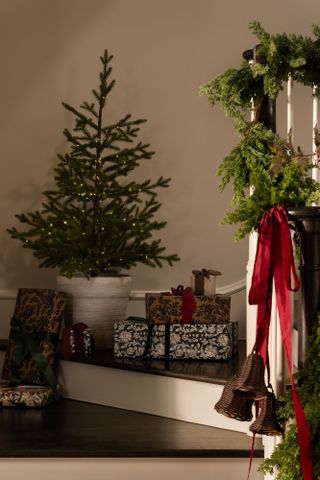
<point>124,468</point>
<point>176,398</point>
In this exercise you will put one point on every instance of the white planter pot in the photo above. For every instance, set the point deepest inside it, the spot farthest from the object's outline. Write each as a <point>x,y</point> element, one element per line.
<point>97,302</point>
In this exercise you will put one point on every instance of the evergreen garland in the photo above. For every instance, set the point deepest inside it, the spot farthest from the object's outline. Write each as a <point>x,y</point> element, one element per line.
<point>285,460</point>
<point>95,221</point>
<point>277,173</point>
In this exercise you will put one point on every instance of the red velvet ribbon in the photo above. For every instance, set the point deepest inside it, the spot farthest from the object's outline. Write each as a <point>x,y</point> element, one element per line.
<point>188,302</point>
<point>274,262</point>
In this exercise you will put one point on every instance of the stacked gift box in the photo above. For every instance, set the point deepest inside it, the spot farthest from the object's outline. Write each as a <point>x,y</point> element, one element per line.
<point>28,378</point>
<point>181,325</point>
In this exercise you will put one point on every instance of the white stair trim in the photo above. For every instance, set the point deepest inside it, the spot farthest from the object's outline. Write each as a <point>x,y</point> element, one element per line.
<point>124,468</point>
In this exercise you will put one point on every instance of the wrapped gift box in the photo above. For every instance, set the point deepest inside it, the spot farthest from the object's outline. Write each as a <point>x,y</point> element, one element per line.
<point>25,396</point>
<point>214,341</point>
<point>203,282</point>
<point>38,313</point>
<point>167,308</point>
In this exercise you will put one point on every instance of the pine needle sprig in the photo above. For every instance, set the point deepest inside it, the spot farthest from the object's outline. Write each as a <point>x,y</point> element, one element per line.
<point>285,460</point>
<point>265,170</point>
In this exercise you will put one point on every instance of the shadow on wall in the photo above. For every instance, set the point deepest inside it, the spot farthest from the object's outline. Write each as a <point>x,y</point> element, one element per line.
<point>36,23</point>
<point>32,27</point>
<point>21,270</point>
<point>18,269</point>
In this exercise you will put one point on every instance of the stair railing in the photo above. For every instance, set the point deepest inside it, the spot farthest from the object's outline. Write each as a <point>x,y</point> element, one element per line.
<point>276,355</point>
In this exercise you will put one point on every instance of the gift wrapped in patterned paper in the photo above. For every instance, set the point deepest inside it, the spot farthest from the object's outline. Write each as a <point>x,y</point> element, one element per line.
<point>163,308</point>
<point>214,341</point>
<point>203,282</point>
<point>25,396</point>
<point>35,327</point>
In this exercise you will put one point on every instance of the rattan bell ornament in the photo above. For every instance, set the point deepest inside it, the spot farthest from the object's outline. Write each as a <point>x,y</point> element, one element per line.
<point>266,422</point>
<point>251,382</point>
<point>232,405</point>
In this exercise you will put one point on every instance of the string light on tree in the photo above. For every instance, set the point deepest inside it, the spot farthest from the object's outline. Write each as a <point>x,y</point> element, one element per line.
<point>90,194</point>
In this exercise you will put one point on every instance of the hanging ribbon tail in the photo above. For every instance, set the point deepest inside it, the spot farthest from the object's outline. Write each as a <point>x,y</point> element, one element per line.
<point>262,272</point>
<point>274,262</point>
<point>262,283</point>
<point>66,343</point>
<point>188,305</point>
<point>283,267</point>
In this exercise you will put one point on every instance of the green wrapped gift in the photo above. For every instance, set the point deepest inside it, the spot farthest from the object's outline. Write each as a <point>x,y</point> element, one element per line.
<point>33,337</point>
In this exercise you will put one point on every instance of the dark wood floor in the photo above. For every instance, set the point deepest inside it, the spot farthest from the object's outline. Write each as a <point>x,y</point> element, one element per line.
<point>70,428</point>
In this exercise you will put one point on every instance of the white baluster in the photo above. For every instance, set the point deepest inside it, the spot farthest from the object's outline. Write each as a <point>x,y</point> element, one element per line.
<point>251,310</point>
<point>289,108</point>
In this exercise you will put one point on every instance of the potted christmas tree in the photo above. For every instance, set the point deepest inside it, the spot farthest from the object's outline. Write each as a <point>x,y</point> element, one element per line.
<point>96,222</point>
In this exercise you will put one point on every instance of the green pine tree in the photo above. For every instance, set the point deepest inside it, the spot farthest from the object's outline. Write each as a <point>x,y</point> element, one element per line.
<point>97,221</point>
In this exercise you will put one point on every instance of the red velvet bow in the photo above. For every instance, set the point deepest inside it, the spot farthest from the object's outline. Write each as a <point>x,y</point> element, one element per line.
<point>188,302</point>
<point>274,263</point>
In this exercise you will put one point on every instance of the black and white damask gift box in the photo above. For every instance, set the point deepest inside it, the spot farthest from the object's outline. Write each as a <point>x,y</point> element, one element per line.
<point>214,341</point>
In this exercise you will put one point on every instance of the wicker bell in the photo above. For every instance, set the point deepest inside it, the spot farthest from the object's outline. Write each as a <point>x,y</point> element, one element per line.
<point>266,423</point>
<point>234,406</point>
<point>251,381</point>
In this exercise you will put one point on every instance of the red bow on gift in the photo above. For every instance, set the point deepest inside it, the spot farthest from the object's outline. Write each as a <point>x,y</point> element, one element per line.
<point>188,302</point>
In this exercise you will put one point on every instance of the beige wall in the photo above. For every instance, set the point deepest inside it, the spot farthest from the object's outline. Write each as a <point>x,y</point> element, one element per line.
<point>164,50</point>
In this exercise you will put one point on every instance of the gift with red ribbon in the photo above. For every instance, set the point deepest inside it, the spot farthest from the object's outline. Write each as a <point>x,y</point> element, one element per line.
<point>182,306</point>
<point>77,340</point>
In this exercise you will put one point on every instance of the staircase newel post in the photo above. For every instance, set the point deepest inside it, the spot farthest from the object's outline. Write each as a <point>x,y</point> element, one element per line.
<point>306,221</point>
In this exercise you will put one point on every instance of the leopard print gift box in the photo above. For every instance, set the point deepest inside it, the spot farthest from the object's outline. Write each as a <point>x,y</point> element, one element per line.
<point>163,308</point>
<point>41,312</point>
<point>25,396</point>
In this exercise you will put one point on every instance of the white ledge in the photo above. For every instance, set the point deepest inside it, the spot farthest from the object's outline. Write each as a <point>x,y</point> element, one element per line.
<point>230,289</point>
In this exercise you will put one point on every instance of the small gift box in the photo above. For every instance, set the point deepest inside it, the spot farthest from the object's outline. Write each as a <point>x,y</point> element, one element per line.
<point>136,339</point>
<point>77,340</point>
<point>163,308</point>
<point>33,337</point>
<point>203,282</point>
<point>25,396</point>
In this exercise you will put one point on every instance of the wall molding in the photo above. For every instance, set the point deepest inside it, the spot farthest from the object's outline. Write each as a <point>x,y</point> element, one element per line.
<point>6,294</point>
<point>230,289</point>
